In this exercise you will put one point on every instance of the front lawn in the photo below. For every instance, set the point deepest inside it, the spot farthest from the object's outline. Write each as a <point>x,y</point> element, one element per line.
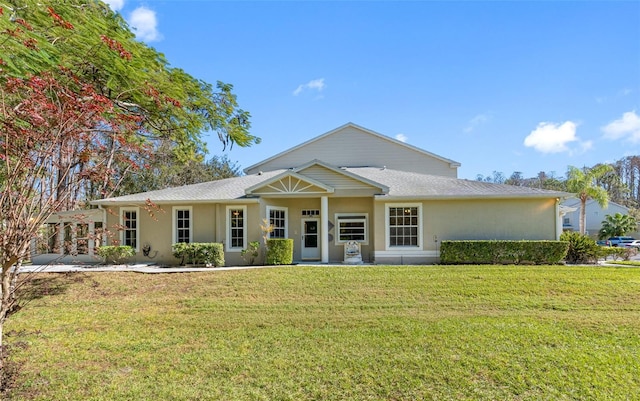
<point>332,333</point>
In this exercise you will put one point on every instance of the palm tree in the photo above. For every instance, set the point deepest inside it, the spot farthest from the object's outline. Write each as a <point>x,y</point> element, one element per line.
<point>617,225</point>
<point>582,182</point>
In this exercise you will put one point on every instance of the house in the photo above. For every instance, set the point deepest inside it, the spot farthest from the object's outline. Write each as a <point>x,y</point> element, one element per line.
<point>398,202</point>
<point>595,215</point>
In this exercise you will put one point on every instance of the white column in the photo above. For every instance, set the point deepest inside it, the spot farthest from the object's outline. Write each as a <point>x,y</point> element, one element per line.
<point>324,229</point>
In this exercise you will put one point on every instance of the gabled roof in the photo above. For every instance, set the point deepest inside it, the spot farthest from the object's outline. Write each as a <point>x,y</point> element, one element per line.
<point>354,126</point>
<point>392,184</point>
<point>576,202</point>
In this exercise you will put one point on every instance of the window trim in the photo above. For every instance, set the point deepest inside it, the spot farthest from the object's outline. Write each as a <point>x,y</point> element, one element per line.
<point>130,209</point>
<point>341,216</point>
<point>227,245</point>
<point>387,226</point>
<point>174,224</point>
<point>286,219</point>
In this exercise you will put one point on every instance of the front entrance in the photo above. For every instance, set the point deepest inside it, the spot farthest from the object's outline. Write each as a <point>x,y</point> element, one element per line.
<point>310,239</point>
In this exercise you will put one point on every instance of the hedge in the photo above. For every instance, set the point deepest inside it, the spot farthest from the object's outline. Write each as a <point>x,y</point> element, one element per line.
<point>199,253</point>
<point>115,253</point>
<point>279,251</point>
<point>503,252</point>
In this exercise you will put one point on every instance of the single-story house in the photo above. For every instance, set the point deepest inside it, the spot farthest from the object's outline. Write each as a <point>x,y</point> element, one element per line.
<point>397,201</point>
<point>595,215</point>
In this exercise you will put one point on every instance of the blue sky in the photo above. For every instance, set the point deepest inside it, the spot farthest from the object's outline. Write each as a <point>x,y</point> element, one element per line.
<point>497,86</point>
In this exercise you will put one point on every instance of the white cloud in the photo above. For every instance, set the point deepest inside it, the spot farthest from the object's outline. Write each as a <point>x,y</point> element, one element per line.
<point>553,138</point>
<point>402,137</point>
<point>627,127</point>
<point>145,23</point>
<point>314,84</point>
<point>476,121</point>
<point>115,5</point>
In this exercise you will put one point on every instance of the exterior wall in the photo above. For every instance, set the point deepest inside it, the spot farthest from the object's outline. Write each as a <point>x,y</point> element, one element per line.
<point>352,147</point>
<point>509,219</point>
<point>208,224</point>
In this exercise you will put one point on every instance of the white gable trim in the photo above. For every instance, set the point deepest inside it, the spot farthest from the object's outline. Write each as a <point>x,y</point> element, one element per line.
<point>452,164</point>
<point>281,184</point>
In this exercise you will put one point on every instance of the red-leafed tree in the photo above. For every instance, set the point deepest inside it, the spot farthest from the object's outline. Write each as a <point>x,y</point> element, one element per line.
<point>82,105</point>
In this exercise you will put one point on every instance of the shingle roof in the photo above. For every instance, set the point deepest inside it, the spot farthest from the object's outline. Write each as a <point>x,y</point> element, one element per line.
<point>404,184</point>
<point>401,184</point>
<point>226,189</point>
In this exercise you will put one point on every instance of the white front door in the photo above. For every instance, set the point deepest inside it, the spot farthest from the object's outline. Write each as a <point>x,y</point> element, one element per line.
<point>310,239</point>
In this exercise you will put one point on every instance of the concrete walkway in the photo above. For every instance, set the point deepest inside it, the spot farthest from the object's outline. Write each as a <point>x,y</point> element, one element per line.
<point>154,268</point>
<point>137,268</point>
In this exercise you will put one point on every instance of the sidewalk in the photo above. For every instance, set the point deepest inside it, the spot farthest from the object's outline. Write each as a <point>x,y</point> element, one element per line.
<point>137,268</point>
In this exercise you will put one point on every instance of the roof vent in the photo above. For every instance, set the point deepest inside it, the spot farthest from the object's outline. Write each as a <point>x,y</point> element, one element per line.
<point>384,167</point>
<point>259,172</point>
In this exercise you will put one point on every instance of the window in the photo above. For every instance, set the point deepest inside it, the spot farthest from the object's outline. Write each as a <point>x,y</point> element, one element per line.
<point>352,227</point>
<point>53,238</point>
<point>129,222</point>
<point>311,213</point>
<point>278,220</point>
<point>182,226</point>
<point>404,225</point>
<point>98,234</point>
<point>82,239</point>
<point>237,233</point>
<point>68,239</point>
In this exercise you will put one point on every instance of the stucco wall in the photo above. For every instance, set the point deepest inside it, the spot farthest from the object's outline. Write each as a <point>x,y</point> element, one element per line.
<point>533,219</point>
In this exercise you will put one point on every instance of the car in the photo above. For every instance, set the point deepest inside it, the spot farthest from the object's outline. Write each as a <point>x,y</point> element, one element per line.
<point>603,242</point>
<point>620,241</point>
<point>633,244</point>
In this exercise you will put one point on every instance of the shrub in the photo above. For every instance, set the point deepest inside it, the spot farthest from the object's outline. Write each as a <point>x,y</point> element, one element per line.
<point>617,252</point>
<point>206,253</point>
<point>251,253</point>
<point>502,252</point>
<point>115,253</point>
<point>279,251</point>
<point>582,249</point>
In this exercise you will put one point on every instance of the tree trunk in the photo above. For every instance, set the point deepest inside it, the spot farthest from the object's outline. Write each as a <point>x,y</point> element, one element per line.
<point>583,215</point>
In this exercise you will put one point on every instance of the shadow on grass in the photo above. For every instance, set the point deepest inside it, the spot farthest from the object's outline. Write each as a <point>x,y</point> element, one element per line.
<point>33,287</point>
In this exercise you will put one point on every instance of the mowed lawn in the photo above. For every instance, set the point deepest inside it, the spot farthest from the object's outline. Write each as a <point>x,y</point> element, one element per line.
<point>332,333</point>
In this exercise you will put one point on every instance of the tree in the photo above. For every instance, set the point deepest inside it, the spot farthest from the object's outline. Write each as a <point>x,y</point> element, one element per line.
<point>617,225</point>
<point>96,45</point>
<point>82,105</point>
<point>583,183</point>
<point>166,171</point>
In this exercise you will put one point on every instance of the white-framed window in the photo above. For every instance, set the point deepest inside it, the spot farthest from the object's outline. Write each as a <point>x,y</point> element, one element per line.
<point>404,225</point>
<point>129,221</point>
<point>236,228</point>
<point>278,220</point>
<point>352,227</point>
<point>182,224</point>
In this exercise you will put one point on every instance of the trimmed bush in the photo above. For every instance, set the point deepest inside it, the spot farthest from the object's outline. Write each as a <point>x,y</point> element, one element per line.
<point>199,253</point>
<point>279,251</point>
<point>115,253</point>
<point>502,252</point>
<point>582,249</point>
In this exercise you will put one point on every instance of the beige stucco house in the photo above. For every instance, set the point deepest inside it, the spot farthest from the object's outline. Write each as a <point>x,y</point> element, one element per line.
<point>350,184</point>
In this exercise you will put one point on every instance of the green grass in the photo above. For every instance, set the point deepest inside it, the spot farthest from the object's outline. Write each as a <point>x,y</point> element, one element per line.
<point>333,333</point>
